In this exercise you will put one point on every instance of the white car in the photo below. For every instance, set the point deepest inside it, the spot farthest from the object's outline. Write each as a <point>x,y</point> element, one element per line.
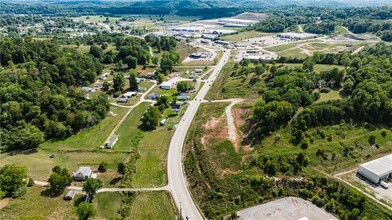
<point>384,184</point>
<point>188,217</point>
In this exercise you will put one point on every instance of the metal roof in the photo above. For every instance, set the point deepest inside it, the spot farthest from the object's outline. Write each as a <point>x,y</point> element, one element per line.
<point>379,166</point>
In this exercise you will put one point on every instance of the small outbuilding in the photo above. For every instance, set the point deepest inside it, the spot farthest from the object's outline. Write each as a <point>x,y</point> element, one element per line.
<point>377,170</point>
<point>129,94</point>
<point>70,195</point>
<point>82,174</point>
<point>122,99</point>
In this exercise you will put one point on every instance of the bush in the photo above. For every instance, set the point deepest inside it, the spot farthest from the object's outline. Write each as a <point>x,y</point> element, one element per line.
<point>383,133</point>
<point>372,139</point>
<point>102,167</point>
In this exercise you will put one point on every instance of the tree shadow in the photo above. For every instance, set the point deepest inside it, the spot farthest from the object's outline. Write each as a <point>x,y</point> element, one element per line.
<point>24,152</point>
<point>51,193</point>
<point>79,200</point>
<point>115,180</point>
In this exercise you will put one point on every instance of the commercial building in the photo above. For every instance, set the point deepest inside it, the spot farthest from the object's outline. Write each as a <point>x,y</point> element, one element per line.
<point>377,170</point>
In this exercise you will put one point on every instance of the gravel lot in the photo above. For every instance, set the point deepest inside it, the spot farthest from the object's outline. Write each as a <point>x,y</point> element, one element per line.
<point>290,208</point>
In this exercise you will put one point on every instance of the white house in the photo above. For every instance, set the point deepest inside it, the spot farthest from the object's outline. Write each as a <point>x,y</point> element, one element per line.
<point>166,85</point>
<point>129,94</point>
<point>377,170</point>
<point>82,174</point>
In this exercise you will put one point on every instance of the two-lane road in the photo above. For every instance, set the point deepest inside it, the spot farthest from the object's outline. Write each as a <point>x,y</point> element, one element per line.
<point>176,177</point>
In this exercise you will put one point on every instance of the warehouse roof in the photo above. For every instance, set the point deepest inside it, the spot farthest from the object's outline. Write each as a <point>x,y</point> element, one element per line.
<point>379,166</point>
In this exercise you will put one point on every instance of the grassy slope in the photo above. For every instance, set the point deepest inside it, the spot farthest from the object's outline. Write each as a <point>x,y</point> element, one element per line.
<point>107,204</point>
<point>89,138</point>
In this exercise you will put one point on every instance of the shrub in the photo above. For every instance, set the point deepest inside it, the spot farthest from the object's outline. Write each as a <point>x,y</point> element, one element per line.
<point>383,132</point>
<point>372,139</point>
<point>102,167</point>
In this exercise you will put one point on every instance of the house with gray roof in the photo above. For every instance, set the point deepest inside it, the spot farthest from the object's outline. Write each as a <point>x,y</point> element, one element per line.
<point>82,174</point>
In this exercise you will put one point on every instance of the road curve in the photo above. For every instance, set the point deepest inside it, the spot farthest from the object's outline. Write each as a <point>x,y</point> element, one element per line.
<point>176,178</point>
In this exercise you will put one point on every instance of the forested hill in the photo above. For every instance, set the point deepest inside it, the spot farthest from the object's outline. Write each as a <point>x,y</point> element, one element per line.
<point>200,8</point>
<point>39,92</point>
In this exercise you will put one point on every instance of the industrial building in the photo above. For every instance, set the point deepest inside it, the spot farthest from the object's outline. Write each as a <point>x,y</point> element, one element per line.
<point>377,170</point>
<point>297,36</point>
<point>232,22</point>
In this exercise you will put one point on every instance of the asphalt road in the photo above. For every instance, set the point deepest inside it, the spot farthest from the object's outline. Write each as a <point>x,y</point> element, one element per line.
<point>176,177</point>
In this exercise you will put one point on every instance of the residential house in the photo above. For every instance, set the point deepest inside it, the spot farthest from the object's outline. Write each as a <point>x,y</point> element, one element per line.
<point>86,89</point>
<point>82,174</point>
<point>141,89</point>
<point>166,85</point>
<point>122,99</point>
<point>129,94</point>
<point>153,95</point>
<point>198,70</point>
<point>182,97</point>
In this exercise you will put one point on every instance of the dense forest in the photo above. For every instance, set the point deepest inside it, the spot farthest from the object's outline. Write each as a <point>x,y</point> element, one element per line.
<point>39,92</point>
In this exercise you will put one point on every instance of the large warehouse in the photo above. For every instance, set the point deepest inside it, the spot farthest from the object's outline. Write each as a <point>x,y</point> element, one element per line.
<point>377,170</point>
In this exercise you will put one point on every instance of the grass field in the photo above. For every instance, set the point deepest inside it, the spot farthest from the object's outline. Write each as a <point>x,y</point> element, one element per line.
<point>107,204</point>
<point>317,68</point>
<point>151,166</point>
<point>227,86</point>
<point>294,52</point>
<point>89,138</point>
<point>283,47</point>
<point>352,139</point>
<point>244,35</point>
<point>332,95</point>
<point>33,205</point>
<point>151,206</point>
<point>184,50</point>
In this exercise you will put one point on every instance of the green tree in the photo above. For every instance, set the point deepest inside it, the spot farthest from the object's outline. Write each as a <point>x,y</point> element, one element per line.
<point>96,51</point>
<point>85,210</point>
<point>151,118</point>
<point>166,63</point>
<point>59,179</point>
<point>105,86</point>
<point>259,69</point>
<point>131,61</point>
<point>12,180</point>
<point>103,166</point>
<point>133,86</point>
<point>160,78</point>
<point>183,86</point>
<point>118,82</point>
<point>121,168</point>
<point>91,186</point>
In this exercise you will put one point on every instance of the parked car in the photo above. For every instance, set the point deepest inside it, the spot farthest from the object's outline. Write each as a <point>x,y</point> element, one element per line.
<point>384,184</point>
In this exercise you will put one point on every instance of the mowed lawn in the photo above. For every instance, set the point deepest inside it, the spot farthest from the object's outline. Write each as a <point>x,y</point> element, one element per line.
<point>332,95</point>
<point>151,206</point>
<point>107,204</point>
<point>129,128</point>
<point>151,166</point>
<point>89,138</point>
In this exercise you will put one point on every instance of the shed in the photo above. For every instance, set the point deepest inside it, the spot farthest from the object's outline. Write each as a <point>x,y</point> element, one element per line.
<point>182,97</point>
<point>82,174</point>
<point>141,89</point>
<point>377,170</point>
<point>70,195</point>
<point>198,70</point>
<point>110,143</point>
